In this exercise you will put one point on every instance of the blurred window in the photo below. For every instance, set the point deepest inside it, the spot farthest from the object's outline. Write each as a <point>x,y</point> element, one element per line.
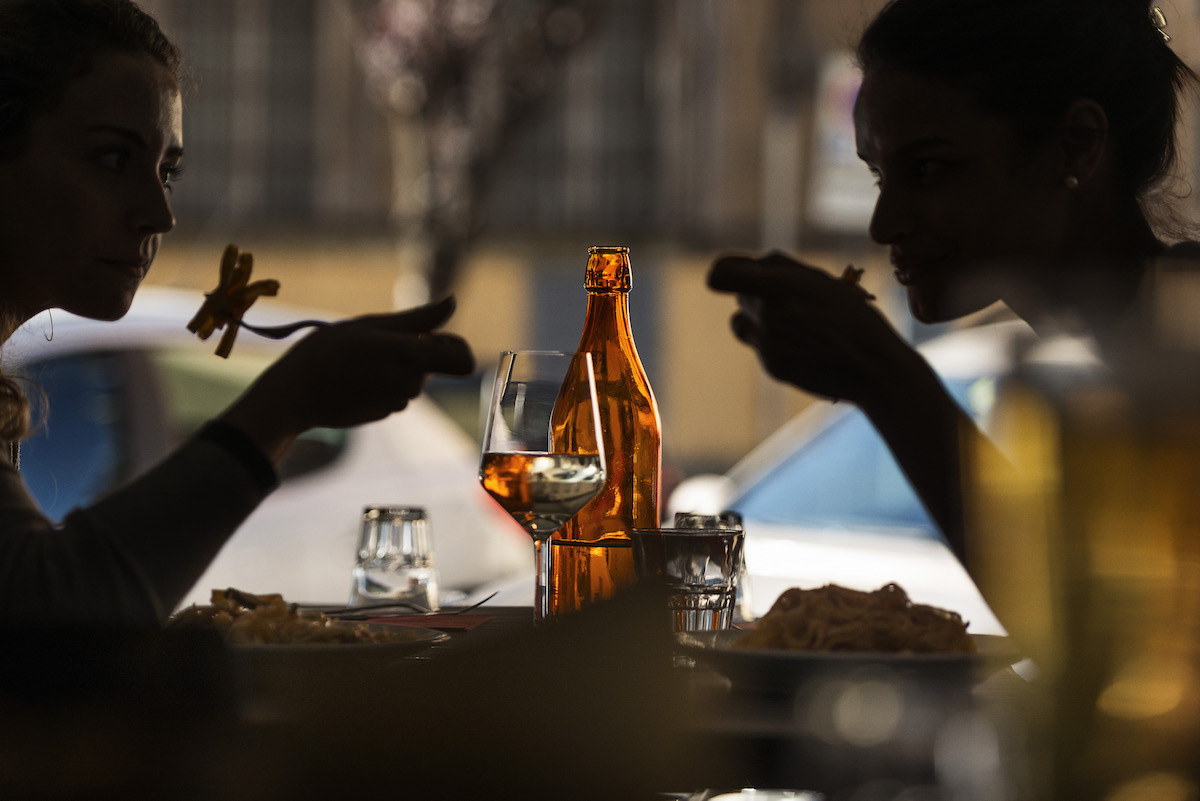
<point>197,387</point>
<point>586,156</point>
<point>107,415</point>
<point>558,288</point>
<point>847,477</point>
<point>81,447</point>
<point>250,118</point>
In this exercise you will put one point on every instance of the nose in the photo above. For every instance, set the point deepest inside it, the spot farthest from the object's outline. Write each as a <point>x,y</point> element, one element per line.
<point>152,212</point>
<point>892,218</point>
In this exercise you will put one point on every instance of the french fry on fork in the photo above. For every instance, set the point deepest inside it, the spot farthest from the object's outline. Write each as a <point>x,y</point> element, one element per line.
<point>235,294</point>
<point>853,276</point>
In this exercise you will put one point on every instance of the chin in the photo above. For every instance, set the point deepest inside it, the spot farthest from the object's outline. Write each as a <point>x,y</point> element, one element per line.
<point>927,308</point>
<point>942,307</point>
<point>103,309</point>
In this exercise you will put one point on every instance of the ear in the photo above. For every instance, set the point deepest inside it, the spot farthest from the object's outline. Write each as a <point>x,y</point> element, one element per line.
<point>1083,139</point>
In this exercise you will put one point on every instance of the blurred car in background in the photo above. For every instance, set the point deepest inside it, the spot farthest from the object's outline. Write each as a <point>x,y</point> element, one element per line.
<point>823,500</point>
<point>121,394</point>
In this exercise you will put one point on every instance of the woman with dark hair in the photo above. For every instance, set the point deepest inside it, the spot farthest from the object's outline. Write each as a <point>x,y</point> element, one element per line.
<point>1019,150</point>
<point>90,143</point>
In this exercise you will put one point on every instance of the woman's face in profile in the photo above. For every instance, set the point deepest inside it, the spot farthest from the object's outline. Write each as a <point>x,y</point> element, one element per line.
<point>84,205</point>
<point>965,209</point>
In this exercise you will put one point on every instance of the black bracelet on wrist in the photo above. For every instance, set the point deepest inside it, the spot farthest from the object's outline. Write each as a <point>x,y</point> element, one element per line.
<point>241,447</point>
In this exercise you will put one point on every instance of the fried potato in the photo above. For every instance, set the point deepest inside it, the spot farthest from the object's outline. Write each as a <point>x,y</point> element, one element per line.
<point>246,618</point>
<point>853,276</point>
<point>224,307</point>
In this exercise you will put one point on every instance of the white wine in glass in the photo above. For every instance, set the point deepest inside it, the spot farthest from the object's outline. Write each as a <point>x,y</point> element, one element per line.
<point>538,481</point>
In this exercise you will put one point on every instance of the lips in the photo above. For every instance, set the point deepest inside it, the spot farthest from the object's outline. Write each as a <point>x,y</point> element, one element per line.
<point>911,269</point>
<point>135,260</point>
<point>137,267</point>
<point>905,270</point>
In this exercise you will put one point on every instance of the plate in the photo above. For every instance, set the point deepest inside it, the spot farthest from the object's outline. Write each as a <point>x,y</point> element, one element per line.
<point>775,669</point>
<point>277,681</point>
<point>417,639</point>
<point>272,663</point>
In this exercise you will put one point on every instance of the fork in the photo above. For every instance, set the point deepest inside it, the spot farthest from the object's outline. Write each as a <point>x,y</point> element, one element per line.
<point>366,610</point>
<point>281,331</point>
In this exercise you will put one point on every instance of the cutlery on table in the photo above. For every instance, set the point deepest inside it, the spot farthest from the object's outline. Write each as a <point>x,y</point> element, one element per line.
<point>372,610</point>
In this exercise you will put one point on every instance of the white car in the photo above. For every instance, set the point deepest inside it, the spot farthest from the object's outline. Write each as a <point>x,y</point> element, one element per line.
<point>121,394</point>
<point>823,500</point>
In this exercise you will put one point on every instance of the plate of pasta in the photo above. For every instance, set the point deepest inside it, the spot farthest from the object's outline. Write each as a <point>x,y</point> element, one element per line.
<point>267,627</point>
<point>829,630</point>
<point>288,660</point>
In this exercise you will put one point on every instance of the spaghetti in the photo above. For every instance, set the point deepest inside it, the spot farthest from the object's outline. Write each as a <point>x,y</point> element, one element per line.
<point>835,618</point>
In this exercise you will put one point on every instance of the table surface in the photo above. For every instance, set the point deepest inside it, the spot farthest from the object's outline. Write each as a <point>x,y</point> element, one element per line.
<point>600,706</point>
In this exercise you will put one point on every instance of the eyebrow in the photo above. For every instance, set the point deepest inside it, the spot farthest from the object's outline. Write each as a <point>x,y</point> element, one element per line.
<point>917,146</point>
<point>924,144</point>
<point>133,136</point>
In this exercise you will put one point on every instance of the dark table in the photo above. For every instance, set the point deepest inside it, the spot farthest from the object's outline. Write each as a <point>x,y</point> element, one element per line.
<point>599,706</point>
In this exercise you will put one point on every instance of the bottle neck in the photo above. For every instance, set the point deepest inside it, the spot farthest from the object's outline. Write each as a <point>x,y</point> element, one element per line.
<point>607,316</point>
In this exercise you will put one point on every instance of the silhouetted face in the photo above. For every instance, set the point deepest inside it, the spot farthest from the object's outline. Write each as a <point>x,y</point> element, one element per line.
<point>83,207</point>
<point>965,209</point>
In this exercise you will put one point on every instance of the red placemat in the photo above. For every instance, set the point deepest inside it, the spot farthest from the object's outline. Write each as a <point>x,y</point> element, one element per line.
<point>447,622</point>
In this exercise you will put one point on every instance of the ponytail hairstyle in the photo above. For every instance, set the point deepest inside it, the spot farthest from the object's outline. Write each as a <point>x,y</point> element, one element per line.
<point>1029,60</point>
<point>46,45</point>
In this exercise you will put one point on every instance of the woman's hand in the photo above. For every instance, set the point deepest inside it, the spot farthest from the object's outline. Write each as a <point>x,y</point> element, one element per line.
<point>819,333</point>
<point>354,372</point>
<point>810,329</point>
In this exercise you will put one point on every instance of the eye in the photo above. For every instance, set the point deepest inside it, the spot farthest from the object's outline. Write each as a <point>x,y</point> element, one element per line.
<point>112,158</point>
<point>169,174</point>
<point>929,169</point>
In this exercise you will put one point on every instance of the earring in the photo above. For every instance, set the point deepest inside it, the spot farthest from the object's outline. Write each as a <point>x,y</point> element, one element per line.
<point>1072,182</point>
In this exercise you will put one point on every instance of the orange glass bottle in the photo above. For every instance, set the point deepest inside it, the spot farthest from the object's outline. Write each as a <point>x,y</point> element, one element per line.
<point>591,555</point>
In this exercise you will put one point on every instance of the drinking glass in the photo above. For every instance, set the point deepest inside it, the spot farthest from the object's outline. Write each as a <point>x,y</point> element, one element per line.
<point>743,607</point>
<point>541,482</point>
<point>395,559</point>
<point>698,568</point>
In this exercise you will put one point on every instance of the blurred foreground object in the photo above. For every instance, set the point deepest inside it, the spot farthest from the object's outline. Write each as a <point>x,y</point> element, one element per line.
<point>1090,546</point>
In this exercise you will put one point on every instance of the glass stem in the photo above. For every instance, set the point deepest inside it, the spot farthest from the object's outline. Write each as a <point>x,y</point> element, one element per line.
<point>541,597</point>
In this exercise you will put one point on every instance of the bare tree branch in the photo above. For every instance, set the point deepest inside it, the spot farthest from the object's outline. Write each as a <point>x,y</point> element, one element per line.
<point>454,77</point>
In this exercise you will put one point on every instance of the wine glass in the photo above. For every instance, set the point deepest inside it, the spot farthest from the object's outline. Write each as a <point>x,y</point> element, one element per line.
<point>542,482</point>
